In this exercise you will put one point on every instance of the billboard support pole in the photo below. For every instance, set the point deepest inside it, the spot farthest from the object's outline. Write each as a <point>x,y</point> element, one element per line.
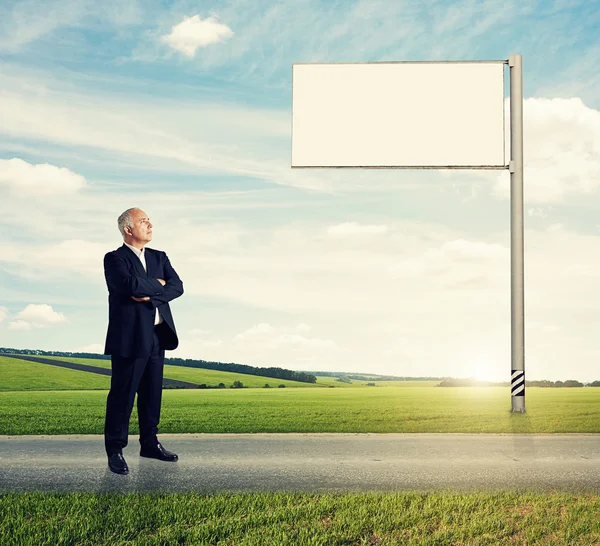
<point>516,168</point>
<point>517,378</point>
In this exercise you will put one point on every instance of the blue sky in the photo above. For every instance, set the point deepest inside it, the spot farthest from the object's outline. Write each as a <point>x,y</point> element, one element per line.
<point>184,109</point>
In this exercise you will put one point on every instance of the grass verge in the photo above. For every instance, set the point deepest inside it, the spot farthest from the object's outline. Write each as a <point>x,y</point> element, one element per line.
<point>298,519</point>
<point>359,410</point>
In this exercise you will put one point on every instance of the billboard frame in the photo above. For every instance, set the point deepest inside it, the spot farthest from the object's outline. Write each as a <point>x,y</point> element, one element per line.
<point>516,169</point>
<point>429,167</point>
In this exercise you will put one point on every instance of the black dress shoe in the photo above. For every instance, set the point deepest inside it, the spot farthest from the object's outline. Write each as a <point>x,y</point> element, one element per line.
<point>117,463</point>
<point>158,452</point>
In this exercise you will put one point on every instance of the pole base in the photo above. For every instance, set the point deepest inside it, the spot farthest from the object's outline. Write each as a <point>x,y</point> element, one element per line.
<point>518,404</point>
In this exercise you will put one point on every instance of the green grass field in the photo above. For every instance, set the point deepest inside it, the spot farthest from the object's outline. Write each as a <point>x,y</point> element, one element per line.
<point>47,377</point>
<point>22,375</point>
<point>425,519</point>
<point>327,381</point>
<point>407,518</point>
<point>366,409</point>
<point>193,375</point>
<point>16,376</point>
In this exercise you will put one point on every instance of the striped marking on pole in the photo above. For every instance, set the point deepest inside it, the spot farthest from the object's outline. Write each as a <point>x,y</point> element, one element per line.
<point>517,383</point>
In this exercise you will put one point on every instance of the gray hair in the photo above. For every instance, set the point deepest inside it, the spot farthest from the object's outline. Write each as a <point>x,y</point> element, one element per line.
<point>125,220</point>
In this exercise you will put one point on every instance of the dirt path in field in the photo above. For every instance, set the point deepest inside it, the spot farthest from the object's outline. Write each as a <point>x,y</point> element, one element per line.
<point>309,462</point>
<point>167,383</point>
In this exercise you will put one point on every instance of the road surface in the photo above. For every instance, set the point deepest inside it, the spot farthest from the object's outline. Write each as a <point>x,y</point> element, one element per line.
<point>309,462</point>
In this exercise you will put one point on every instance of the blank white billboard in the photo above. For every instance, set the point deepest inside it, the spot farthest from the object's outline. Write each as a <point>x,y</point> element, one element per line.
<point>398,114</point>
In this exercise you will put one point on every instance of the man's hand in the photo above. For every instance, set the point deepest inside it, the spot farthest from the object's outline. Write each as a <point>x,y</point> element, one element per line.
<point>162,281</point>
<point>145,298</point>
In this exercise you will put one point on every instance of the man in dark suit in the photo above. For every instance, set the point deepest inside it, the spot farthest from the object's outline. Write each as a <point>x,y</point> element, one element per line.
<point>141,282</point>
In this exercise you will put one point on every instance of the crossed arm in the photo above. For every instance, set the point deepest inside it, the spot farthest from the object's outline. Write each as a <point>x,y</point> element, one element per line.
<point>138,288</point>
<point>147,298</point>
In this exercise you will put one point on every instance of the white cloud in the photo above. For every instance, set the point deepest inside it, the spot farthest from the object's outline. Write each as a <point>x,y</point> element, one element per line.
<point>193,33</point>
<point>420,283</point>
<point>296,270</point>
<point>270,36</point>
<point>38,316</point>
<point>25,179</point>
<point>269,337</point>
<point>561,147</point>
<point>264,338</point>
<point>19,325</point>
<point>198,339</point>
<point>173,136</point>
<point>561,151</point>
<point>76,255</point>
<point>151,133</point>
<point>355,228</point>
<point>3,313</point>
<point>562,143</point>
<point>54,260</point>
<point>258,331</point>
<point>539,212</point>
<point>455,262</point>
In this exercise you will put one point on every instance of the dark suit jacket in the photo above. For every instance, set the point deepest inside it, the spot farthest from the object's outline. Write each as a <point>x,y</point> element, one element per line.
<point>131,323</point>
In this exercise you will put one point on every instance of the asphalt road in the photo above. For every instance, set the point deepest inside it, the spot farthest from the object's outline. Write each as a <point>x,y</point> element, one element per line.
<point>309,462</point>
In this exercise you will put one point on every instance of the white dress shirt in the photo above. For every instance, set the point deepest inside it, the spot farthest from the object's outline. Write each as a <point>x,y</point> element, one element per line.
<point>141,255</point>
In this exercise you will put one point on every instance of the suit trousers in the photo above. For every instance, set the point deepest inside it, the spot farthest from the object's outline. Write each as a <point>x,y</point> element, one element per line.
<point>131,375</point>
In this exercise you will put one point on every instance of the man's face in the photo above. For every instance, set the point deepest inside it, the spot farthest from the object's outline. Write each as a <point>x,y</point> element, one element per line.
<point>142,227</point>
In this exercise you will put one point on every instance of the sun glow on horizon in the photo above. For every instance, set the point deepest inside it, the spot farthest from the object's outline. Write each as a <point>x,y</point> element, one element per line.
<point>486,367</point>
<point>483,374</point>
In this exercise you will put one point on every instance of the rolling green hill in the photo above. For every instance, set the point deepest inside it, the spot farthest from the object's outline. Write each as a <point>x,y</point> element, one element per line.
<point>21,375</point>
<point>213,377</point>
<point>274,373</point>
<point>15,376</point>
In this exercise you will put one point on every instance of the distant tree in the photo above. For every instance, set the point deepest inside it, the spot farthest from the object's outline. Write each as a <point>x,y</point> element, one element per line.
<point>202,386</point>
<point>221,386</point>
<point>267,386</point>
<point>344,379</point>
<point>282,386</point>
<point>541,383</point>
<point>370,384</point>
<point>237,385</point>
<point>573,383</point>
<point>594,384</point>
<point>278,373</point>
